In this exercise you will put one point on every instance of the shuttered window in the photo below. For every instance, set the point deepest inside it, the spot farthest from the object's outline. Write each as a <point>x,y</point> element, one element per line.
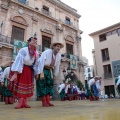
<point>18,33</point>
<point>46,42</point>
<point>69,49</point>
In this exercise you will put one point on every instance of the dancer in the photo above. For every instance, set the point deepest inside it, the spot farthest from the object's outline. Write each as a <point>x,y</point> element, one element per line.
<point>48,68</point>
<point>9,99</point>
<point>89,87</point>
<point>1,84</point>
<point>24,73</point>
<point>62,90</point>
<point>96,88</point>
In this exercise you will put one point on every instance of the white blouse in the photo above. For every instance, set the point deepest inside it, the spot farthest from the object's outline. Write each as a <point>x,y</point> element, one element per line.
<point>98,85</point>
<point>90,82</point>
<point>1,75</point>
<point>23,58</point>
<point>45,60</point>
<point>6,72</point>
<point>62,86</point>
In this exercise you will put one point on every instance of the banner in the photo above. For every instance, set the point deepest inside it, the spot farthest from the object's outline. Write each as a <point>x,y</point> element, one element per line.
<point>17,46</point>
<point>116,68</point>
<point>73,62</point>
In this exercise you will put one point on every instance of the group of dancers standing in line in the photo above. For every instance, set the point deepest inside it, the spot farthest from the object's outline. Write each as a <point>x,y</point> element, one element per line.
<point>27,67</point>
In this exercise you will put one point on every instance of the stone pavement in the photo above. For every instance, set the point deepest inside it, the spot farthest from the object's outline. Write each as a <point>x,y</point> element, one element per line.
<point>109,109</point>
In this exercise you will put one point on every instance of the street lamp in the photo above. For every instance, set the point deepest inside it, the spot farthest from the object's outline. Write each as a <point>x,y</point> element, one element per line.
<point>68,70</point>
<point>68,74</point>
<point>64,72</point>
<point>72,73</point>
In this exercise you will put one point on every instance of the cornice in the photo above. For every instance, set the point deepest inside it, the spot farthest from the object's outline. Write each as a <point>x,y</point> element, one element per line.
<point>115,26</point>
<point>7,45</point>
<point>30,8</point>
<point>65,7</point>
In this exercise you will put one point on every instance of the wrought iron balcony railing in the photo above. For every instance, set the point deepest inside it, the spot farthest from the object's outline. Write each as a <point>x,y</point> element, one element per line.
<point>6,39</point>
<point>107,75</point>
<point>46,12</point>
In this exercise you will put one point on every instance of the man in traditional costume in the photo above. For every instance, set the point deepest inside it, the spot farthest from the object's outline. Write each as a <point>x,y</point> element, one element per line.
<point>62,90</point>
<point>89,88</point>
<point>24,73</point>
<point>48,68</point>
<point>9,99</point>
<point>97,88</point>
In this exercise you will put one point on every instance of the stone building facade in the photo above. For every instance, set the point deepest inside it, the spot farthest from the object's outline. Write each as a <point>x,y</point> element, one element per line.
<point>50,20</point>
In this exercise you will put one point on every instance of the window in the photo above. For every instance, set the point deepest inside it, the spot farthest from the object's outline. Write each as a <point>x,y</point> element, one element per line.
<point>105,55</point>
<point>22,1</point>
<point>114,32</point>
<point>17,33</point>
<point>69,49</point>
<point>102,37</point>
<point>46,42</point>
<point>88,70</point>
<point>67,21</point>
<point>107,71</point>
<point>89,75</point>
<point>118,32</point>
<point>45,10</point>
<point>109,33</point>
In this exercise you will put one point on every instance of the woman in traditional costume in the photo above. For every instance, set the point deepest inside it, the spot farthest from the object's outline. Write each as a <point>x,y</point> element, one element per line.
<point>23,68</point>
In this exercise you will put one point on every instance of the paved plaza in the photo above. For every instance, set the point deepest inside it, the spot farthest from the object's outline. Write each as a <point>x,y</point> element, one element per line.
<point>108,109</point>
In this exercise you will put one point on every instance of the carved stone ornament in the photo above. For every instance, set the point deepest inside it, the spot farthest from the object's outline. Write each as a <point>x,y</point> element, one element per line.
<point>19,20</point>
<point>59,28</point>
<point>47,30</point>
<point>21,11</point>
<point>78,38</point>
<point>4,7</point>
<point>35,18</point>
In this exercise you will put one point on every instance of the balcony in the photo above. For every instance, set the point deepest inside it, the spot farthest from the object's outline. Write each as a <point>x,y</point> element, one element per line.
<point>46,12</point>
<point>6,39</point>
<point>105,59</point>
<point>107,75</point>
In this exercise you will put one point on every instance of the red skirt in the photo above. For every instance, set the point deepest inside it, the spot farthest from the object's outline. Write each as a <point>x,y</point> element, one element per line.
<point>23,86</point>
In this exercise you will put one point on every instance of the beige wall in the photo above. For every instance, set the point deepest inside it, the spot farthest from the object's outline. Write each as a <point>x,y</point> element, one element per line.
<point>113,45</point>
